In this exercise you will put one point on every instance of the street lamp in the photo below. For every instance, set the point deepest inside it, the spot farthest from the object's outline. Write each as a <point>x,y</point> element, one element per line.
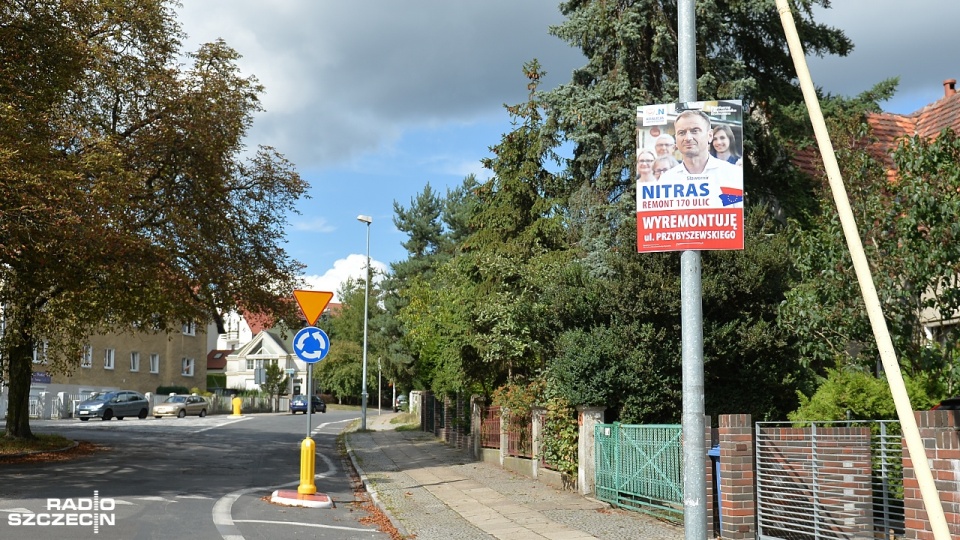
<point>366,300</point>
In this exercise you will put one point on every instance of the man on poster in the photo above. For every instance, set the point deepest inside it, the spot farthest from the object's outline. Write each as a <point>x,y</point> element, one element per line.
<point>694,135</point>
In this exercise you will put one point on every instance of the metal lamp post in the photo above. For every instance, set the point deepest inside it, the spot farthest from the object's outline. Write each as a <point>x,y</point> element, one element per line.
<point>366,300</point>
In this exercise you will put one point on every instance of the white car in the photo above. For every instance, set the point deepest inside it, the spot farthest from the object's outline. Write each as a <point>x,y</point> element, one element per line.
<point>180,405</point>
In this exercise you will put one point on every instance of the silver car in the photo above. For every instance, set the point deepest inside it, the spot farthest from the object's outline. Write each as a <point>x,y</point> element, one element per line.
<point>117,404</point>
<point>181,405</point>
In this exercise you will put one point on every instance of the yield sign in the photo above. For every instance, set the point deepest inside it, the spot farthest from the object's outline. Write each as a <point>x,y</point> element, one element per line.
<point>312,303</point>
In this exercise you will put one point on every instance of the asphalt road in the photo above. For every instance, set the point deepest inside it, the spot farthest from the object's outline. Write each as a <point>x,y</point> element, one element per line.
<point>177,478</point>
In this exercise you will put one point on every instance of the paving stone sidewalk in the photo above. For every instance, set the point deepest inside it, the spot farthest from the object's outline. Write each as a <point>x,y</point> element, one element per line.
<point>434,492</point>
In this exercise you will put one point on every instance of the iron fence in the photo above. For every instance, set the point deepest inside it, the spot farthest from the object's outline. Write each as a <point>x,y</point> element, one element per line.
<point>490,428</point>
<point>639,467</point>
<point>519,436</point>
<point>829,480</point>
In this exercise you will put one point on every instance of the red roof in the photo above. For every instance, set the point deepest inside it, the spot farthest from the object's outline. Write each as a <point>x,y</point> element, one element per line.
<point>259,321</point>
<point>889,128</point>
<point>217,359</point>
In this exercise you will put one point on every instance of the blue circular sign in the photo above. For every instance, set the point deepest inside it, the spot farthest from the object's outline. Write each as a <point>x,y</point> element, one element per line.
<point>311,344</point>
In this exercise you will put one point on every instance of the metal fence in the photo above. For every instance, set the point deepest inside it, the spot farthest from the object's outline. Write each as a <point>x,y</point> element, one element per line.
<point>639,467</point>
<point>520,436</point>
<point>490,428</point>
<point>829,480</point>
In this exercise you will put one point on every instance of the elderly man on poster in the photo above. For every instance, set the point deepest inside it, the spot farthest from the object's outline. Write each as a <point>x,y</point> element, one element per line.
<point>723,179</point>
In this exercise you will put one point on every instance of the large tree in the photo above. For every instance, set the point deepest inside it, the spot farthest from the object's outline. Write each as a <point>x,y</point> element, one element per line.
<point>126,195</point>
<point>909,233</point>
<point>436,226</point>
<point>477,320</point>
<point>632,60</point>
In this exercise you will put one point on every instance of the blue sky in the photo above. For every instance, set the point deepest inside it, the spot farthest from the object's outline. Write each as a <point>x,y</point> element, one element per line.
<point>371,99</point>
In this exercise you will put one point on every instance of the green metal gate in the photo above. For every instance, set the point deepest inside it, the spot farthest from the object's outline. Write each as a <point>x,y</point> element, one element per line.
<point>640,467</point>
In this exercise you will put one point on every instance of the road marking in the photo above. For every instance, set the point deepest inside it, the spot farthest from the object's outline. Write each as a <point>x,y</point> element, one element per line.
<point>325,424</point>
<point>241,419</point>
<point>223,509</point>
<point>301,524</point>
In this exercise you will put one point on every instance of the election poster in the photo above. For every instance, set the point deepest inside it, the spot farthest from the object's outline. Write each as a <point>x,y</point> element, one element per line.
<point>690,176</point>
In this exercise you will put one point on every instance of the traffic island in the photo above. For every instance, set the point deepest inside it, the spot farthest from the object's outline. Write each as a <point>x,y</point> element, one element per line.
<point>291,497</point>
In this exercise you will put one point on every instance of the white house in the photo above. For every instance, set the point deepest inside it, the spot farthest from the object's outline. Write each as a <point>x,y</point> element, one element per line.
<point>268,346</point>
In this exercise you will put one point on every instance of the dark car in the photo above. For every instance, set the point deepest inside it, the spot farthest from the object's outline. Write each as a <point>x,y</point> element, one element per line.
<point>949,404</point>
<point>299,404</point>
<point>117,404</point>
<point>400,404</point>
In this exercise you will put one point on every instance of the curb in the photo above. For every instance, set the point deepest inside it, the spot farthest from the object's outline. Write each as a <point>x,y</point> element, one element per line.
<point>373,493</point>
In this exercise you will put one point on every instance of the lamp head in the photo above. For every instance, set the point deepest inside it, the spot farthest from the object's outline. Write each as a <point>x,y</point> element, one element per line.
<point>366,219</point>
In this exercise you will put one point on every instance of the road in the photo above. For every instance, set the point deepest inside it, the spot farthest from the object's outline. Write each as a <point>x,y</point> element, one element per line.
<point>176,478</point>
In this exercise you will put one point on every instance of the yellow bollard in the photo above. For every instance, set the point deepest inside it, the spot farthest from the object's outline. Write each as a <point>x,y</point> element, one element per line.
<point>236,405</point>
<point>308,460</point>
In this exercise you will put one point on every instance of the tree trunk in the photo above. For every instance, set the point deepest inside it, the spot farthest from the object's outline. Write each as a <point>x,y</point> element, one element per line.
<point>20,366</point>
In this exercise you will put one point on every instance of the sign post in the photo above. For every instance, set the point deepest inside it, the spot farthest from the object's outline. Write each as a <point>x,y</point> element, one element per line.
<point>310,344</point>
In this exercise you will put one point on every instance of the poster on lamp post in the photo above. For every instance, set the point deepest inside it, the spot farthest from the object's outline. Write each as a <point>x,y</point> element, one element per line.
<point>689,177</point>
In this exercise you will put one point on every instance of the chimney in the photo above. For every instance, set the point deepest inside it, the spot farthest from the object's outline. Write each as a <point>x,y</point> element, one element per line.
<point>949,87</point>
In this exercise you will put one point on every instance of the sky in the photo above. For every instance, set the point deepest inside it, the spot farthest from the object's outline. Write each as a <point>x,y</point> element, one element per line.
<point>373,100</point>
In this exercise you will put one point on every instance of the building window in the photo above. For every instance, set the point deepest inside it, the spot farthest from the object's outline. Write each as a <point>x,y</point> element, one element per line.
<point>86,359</point>
<point>186,367</point>
<point>250,364</point>
<point>189,329</point>
<point>108,357</point>
<point>154,363</point>
<point>40,353</point>
<point>134,361</point>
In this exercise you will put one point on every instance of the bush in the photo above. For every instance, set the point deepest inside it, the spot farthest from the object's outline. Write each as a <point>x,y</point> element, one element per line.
<point>852,394</point>
<point>560,436</point>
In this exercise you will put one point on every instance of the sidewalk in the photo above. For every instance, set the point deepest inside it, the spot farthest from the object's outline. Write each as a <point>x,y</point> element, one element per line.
<point>434,492</point>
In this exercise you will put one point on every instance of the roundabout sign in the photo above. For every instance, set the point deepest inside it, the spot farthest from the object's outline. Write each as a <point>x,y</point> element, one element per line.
<point>311,344</point>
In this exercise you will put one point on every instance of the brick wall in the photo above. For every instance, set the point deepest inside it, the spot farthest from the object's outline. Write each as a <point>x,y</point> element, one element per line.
<point>941,440</point>
<point>737,497</point>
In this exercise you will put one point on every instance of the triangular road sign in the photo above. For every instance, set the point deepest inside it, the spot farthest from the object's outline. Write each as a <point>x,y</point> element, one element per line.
<point>312,303</point>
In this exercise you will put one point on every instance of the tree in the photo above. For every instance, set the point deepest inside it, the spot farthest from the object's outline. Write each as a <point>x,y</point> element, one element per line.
<point>474,321</point>
<point>275,383</point>
<point>546,281</point>
<point>436,227</point>
<point>340,372</point>
<point>908,230</point>
<point>631,51</point>
<point>127,203</point>
<point>628,308</point>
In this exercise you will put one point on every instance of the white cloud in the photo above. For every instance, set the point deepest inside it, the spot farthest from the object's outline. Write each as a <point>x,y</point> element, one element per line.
<point>914,42</point>
<point>353,266</point>
<point>347,78</point>
<point>316,225</point>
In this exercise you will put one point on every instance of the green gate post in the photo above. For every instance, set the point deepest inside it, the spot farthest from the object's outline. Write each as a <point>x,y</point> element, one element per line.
<point>586,449</point>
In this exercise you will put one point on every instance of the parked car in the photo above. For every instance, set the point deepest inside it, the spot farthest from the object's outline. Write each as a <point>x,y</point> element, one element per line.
<point>949,404</point>
<point>401,403</point>
<point>117,404</point>
<point>181,405</point>
<point>299,404</point>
